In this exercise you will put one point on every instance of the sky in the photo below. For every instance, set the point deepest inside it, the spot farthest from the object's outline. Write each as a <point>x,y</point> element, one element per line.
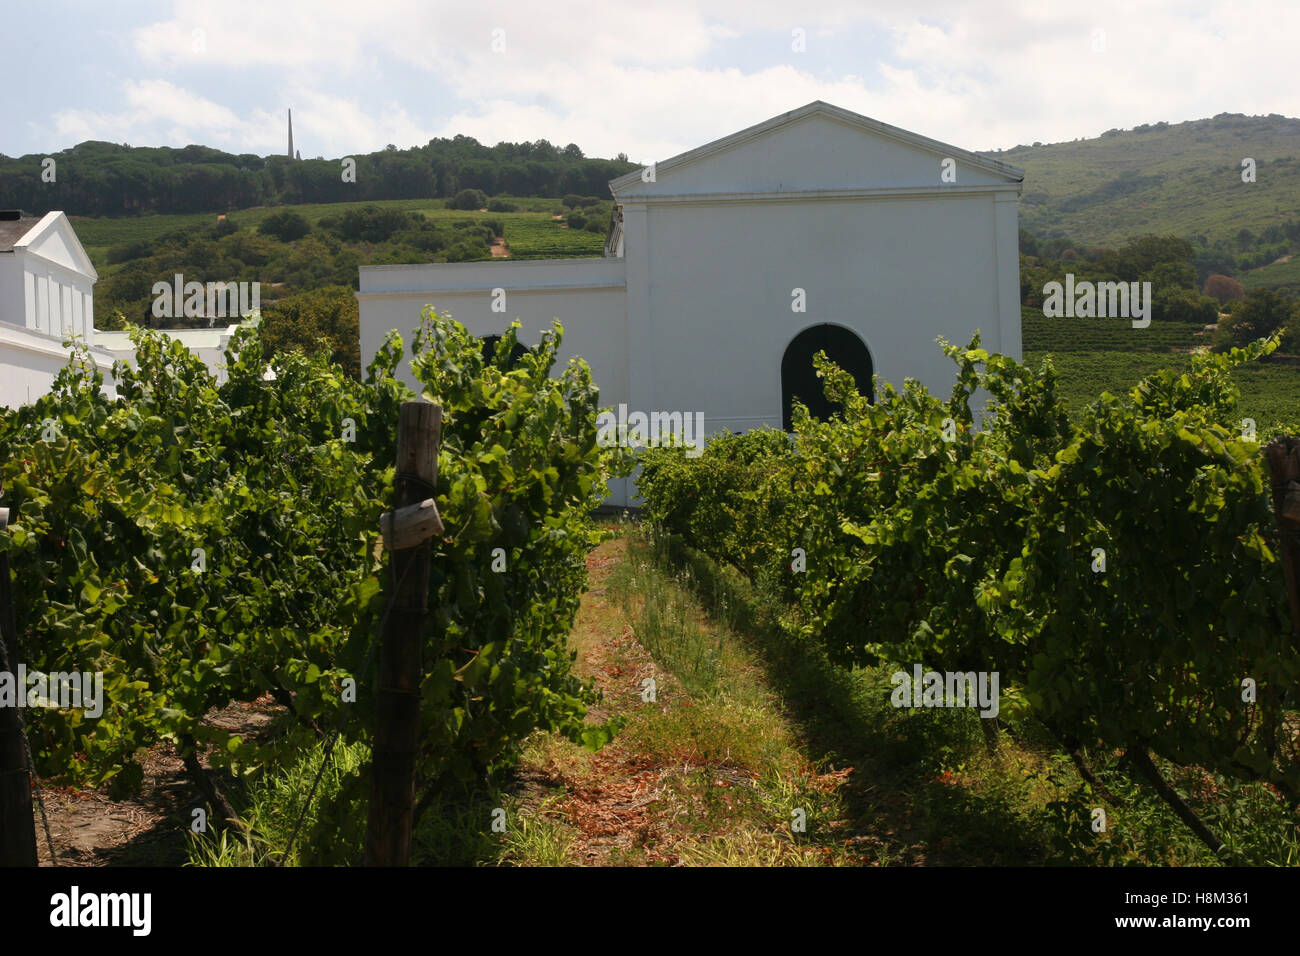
<point>650,79</point>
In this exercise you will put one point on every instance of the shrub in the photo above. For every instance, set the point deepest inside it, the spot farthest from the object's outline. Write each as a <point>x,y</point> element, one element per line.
<point>1260,314</point>
<point>285,226</point>
<point>1182,305</point>
<point>125,252</point>
<point>1223,288</point>
<point>468,199</point>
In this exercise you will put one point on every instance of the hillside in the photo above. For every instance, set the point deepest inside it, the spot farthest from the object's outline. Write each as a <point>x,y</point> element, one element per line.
<point>301,248</point>
<point>1181,179</point>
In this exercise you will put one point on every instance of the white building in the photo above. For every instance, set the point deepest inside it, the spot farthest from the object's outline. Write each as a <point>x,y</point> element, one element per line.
<point>735,262</point>
<point>209,345</point>
<point>46,280</point>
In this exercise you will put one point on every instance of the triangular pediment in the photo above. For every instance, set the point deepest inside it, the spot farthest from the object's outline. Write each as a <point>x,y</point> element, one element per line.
<point>54,240</point>
<point>816,148</point>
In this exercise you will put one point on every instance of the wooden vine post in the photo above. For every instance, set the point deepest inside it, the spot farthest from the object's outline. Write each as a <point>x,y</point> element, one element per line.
<point>408,530</point>
<point>17,825</point>
<point>1284,467</point>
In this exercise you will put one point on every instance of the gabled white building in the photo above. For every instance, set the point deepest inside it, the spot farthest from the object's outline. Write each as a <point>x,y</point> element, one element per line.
<point>46,282</point>
<point>731,265</point>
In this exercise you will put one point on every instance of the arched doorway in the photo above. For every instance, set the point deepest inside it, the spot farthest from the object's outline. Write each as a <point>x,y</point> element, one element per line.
<point>799,377</point>
<point>490,351</point>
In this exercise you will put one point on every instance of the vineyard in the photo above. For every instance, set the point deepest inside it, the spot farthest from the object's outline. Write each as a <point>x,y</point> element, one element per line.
<point>1116,563</point>
<point>1117,567</point>
<point>1041,334</point>
<point>198,544</point>
<point>533,238</point>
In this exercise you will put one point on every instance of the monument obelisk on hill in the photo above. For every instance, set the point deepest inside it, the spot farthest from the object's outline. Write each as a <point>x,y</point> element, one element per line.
<point>290,154</point>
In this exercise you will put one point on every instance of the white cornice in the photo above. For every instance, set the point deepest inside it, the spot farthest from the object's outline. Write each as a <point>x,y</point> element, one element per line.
<point>39,343</point>
<point>485,264</point>
<point>481,290</point>
<point>828,195</point>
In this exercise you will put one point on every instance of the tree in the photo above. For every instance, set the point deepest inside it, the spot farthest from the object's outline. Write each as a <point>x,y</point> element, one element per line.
<point>1223,288</point>
<point>1183,305</point>
<point>572,151</point>
<point>1028,244</point>
<point>285,226</point>
<point>468,199</point>
<point>301,321</point>
<point>1137,257</point>
<point>1261,313</point>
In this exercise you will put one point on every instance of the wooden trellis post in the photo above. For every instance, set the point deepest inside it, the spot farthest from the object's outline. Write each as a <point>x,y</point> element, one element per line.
<point>1284,467</point>
<point>408,530</point>
<point>17,825</point>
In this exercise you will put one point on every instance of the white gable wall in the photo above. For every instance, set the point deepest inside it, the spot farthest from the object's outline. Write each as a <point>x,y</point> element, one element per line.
<point>816,151</point>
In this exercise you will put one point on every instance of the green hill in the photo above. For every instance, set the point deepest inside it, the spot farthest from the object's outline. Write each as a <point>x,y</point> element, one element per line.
<point>1182,179</point>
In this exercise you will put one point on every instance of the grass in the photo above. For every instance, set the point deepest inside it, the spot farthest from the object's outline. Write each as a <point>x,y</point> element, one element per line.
<point>1284,276</point>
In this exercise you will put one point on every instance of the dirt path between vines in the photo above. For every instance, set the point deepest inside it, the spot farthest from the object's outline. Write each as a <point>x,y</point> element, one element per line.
<point>89,828</point>
<point>692,779</point>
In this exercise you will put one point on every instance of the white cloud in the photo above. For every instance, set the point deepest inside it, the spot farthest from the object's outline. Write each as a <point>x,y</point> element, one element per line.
<point>158,111</point>
<point>643,78</point>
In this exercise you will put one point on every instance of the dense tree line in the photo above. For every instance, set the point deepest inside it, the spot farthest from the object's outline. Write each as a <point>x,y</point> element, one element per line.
<point>107,179</point>
<point>1240,253</point>
<point>1182,288</point>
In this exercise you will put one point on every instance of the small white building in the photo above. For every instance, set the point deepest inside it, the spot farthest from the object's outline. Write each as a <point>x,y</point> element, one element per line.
<point>209,345</point>
<point>46,282</point>
<point>731,265</point>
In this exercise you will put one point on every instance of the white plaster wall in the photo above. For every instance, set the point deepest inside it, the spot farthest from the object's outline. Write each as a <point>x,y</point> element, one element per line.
<point>587,297</point>
<point>25,377</point>
<point>29,363</point>
<point>897,271</point>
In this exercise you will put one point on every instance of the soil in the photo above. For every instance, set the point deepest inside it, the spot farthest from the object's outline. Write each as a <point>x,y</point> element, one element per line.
<point>88,828</point>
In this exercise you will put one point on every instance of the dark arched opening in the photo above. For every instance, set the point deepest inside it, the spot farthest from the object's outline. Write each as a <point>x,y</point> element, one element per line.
<point>490,351</point>
<point>799,378</point>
